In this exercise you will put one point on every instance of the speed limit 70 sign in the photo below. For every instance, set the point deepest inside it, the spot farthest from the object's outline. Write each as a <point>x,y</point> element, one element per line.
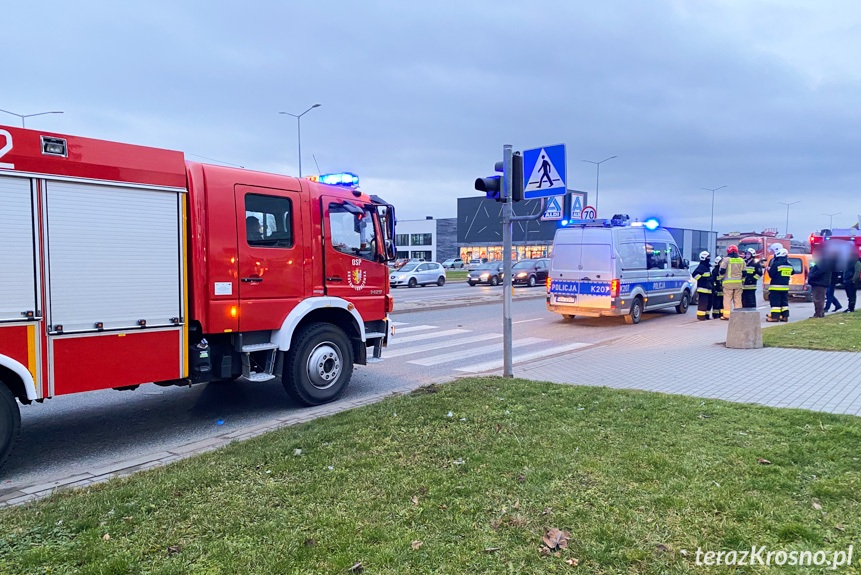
<point>589,213</point>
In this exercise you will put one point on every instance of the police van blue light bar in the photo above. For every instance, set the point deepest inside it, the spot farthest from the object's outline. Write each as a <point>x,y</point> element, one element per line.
<point>652,224</point>
<point>348,179</point>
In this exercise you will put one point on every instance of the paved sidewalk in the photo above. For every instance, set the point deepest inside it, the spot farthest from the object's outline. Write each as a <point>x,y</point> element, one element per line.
<point>673,360</point>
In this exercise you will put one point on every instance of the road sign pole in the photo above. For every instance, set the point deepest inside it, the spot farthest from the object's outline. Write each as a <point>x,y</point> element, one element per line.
<point>506,263</point>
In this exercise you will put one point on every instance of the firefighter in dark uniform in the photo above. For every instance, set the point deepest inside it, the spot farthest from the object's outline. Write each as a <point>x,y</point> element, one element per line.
<point>752,273</point>
<point>779,273</point>
<point>717,290</point>
<point>703,277</point>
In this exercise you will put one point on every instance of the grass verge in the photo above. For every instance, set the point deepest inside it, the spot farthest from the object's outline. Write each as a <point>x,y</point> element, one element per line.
<point>835,332</point>
<point>458,275</point>
<point>467,478</point>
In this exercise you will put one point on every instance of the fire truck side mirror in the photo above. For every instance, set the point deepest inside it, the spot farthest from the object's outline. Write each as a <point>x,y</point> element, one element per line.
<point>390,250</point>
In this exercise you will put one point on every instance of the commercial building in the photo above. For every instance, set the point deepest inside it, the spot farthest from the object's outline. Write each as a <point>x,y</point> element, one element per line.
<point>479,231</point>
<point>430,239</point>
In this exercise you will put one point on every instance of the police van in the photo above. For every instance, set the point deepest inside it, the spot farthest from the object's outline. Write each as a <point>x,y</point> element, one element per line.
<point>616,268</point>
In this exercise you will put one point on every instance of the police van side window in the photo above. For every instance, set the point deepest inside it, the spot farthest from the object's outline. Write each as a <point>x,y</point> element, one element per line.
<point>633,256</point>
<point>656,255</point>
<point>268,221</point>
<point>676,258</point>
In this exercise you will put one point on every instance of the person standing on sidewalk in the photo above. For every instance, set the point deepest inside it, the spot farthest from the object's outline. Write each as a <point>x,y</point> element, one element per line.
<point>703,277</point>
<point>830,295</point>
<point>779,272</point>
<point>819,278</point>
<point>717,289</point>
<point>752,273</point>
<point>732,270</point>
<point>852,280</point>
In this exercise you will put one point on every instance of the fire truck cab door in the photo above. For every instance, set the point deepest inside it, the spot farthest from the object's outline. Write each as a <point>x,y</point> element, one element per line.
<point>270,248</point>
<point>353,270</point>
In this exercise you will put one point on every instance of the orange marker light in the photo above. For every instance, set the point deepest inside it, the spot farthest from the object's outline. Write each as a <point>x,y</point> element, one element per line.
<point>233,311</point>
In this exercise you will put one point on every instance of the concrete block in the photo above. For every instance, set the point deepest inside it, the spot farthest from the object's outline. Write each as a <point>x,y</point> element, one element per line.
<point>744,330</point>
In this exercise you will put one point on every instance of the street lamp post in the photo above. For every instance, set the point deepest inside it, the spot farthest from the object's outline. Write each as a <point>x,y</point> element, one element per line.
<point>25,116</point>
<point>598,177</point>
<point>713,190</point>
<point>831,221</point>
<point>299,131</point>
<point>787,212</point>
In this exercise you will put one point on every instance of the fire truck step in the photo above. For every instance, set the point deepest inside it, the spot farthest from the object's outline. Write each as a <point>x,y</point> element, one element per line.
<point>374,334</point>
<point>258,347</point>
<point>259,377</point>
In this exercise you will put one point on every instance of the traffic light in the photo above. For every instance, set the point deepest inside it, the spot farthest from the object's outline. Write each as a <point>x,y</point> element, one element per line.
<point>516,177</point>
<point>491,186</point>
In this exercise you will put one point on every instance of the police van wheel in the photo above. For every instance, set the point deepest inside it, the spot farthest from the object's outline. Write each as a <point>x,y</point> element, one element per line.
<point>683,305</point>
<point>10,422</point>
<point>319,364</point>
<point>636,312</point>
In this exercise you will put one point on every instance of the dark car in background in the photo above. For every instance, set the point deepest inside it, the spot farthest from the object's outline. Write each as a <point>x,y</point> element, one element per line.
<point>530,272</point>
<point>487,273</point>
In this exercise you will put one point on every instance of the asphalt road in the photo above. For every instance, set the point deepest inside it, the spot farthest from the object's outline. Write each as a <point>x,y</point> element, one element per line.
<point>73,434</point>
<point>452,289</point>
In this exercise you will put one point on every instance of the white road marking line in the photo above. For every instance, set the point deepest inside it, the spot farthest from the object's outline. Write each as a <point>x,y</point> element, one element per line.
<point>497,363</point>
<point>414,328</point>
<point>482,350</point>
<point>397,323</point>
<point>528,320</point>
<point>431,335</point>
<point>440,345</point>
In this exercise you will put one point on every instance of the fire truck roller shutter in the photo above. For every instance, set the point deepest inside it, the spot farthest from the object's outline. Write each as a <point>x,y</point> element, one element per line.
<point>113,256</point>
<point>17,249</point>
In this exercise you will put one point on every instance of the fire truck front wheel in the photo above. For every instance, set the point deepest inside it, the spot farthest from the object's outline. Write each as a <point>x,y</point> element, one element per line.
<point>10,422</point>
<point>319,364</point>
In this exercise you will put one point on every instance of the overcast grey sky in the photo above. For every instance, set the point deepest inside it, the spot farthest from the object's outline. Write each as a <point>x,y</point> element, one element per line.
<point>418,98</point>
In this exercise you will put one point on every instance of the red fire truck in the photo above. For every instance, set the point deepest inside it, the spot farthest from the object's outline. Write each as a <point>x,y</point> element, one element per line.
<point>851,235</point>
<point>123,265</point>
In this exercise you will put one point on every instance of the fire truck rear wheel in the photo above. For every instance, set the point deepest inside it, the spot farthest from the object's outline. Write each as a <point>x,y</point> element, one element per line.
<point>10,422</point>
<point>319,364</point>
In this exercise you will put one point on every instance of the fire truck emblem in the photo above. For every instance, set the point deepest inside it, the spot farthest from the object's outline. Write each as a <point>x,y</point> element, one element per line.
<point>357,278</point>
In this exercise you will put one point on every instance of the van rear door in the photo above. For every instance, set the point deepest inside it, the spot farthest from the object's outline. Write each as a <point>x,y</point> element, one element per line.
<point>581,267</point>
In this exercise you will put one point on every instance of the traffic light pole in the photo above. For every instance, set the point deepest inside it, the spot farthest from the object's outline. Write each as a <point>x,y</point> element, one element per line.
<point>507,370</point>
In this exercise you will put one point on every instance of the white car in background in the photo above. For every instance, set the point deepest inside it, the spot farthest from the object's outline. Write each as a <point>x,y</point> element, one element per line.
<point>418,274</point>
<point>475,263</point>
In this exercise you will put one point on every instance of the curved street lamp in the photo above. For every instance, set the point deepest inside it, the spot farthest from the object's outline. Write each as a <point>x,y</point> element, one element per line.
<point>598,177</point>
<point>713,190</point>
<point>299,130</point>
<point>25,116</point>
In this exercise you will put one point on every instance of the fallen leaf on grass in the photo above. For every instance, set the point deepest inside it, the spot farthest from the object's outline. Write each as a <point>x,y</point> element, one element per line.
<point>543,551</point>
<point>762,461</point>
<point>558,554</point>
<point>839,527</point>
<point>492,549</point>
<point>555,538</point>
<point>547,511</point>
<point>173,549</point>
<point>356,568</point>
<point>129,518</point>
<point>572,562</point>
<point>310,542</point>
<point>443,506</point>
<point>517,504</point>
<point>521,478</point>
<point>415,501</point>
<point>498,427</point>
<point>417,544</point>
<point>816,505</point>
<point>106,537</point>
<point>662,548</point>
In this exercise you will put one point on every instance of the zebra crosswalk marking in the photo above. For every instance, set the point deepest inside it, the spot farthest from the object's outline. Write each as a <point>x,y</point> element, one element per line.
<point>497,363</point>
<point>432,335</point>
<point>472,352</point>
<point>440,345</point>
<point>411,328</point>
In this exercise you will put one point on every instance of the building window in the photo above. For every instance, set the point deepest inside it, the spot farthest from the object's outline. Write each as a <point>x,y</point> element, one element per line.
<point>403,255</point>
<point>422,256</point>
<point>402,239</point>
<point>422,239</point>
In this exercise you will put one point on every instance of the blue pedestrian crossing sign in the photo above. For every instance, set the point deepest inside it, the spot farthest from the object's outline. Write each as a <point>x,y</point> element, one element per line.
<point>544,172</point>
<point>553,210</point>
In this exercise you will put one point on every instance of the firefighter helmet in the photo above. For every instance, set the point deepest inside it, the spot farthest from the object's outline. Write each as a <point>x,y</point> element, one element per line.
<point>752,252</point>
<point>718,259</point>
<point>782,253</point>
<point>732,250</point>
<point>704,256</point>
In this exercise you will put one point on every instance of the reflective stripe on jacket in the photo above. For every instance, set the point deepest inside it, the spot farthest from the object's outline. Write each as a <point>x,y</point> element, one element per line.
<point>732,271</point>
